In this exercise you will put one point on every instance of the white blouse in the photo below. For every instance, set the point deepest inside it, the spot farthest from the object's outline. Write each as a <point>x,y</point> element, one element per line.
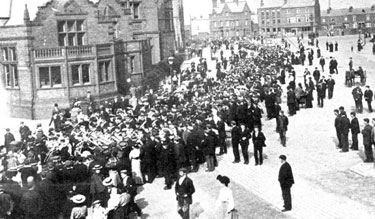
<point>226,195</point>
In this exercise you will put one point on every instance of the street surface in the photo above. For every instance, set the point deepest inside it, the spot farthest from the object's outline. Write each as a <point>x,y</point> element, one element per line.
<point>325,187</point>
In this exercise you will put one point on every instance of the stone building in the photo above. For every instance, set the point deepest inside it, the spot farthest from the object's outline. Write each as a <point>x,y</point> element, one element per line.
<point>56,51</point>
<point>348,20</point>
<point>179,24</point>
<point>289,17</point>
<point>230,18</point>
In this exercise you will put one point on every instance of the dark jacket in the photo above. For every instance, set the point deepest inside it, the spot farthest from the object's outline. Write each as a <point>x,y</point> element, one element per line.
<point>344,125</point>
<point>236,134</point>
<point>286,176</point>
<point>282,123</point>
<point>209,143</point>
<point>259,140</point>
<point>368,95</point>
<point>354,126</point>
<point>186,188</point>
<point>245,135</point>
<point>366,132</point>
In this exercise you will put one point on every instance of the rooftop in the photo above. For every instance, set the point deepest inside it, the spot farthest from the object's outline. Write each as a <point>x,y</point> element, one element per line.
<point>298,3</point>
<point>232,6</point>
<point>13,10</point>
<point>345,11</point>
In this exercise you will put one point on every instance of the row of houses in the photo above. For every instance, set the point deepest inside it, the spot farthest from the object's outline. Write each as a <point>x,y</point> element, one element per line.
<point>57,51</point>
<point>234,18</point>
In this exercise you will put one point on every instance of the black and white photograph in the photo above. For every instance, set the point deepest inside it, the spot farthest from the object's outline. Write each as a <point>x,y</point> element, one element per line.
<point>191,109</point>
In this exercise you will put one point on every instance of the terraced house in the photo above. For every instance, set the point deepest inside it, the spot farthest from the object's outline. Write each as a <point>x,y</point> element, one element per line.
<point>55,51</point>
<point>231,18</point>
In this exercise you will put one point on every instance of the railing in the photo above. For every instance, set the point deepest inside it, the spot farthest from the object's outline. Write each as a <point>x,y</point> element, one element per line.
<point>79,50</point>
<point>49,53</point>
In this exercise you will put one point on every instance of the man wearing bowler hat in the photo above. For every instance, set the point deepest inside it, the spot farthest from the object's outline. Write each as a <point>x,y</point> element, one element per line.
<point>184,190</point>
<point>286,181</point>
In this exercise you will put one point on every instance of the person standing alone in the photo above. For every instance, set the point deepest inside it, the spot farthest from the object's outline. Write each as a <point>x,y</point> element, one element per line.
<point>286,180</point>
<point>282,127</point>
<point>354,127</point>
<point>368,97</point>
<point>184,190</point>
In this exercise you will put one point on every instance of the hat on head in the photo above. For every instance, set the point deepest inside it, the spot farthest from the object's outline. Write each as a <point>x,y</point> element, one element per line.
<point>97,167</point>
<point>78,199</point>
<point>223,179</point>
<point>96,202</point>
<point>282,157</point>
<point>183,170</point>
<point>1,188</point>
<point>108,181</point>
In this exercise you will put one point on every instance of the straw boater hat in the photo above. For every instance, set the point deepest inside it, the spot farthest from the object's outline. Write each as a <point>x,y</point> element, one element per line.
<point>108,181</point>
<point>97,167</point>
<point>78,199</point>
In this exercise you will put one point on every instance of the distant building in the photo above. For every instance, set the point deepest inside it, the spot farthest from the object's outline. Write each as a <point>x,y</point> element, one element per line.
<point>231,18</point>
<point>290,17</point>
<point>348,20</point>
<point>56,51</point>
<point>200,26</point>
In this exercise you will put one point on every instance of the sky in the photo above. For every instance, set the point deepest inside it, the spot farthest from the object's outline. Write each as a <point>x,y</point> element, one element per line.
<point>197,8</point>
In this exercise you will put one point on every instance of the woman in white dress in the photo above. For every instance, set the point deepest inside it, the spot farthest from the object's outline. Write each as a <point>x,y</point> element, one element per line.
<point>224,203</point>
<point>134,156</point>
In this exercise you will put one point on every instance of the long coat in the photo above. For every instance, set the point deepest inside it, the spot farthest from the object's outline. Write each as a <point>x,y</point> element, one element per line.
<point>286,178</point>
<point>245,135</point>
<point>354,126</point>
<point>186,188</point>
<point>366,132</point>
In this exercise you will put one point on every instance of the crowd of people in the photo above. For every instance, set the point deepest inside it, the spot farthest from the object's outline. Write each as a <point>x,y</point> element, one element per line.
<point>99,156</point>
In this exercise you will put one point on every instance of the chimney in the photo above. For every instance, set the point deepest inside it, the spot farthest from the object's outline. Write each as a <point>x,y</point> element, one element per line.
<point>261,3</point>
<point>285,1</point>
<point>214,3</point>
<point>235,1</point>
<point>26,15</point>
<point>329,10</point>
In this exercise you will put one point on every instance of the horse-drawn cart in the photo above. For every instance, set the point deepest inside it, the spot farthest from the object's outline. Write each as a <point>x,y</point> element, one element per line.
<point>353,75</point>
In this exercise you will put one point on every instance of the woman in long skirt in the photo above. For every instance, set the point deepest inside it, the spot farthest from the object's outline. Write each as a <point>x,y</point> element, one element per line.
<point>225,202</point>
<point>136,164</point>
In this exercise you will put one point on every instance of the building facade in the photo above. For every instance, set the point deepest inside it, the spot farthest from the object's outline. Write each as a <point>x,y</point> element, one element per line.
<point>289,17</point>
<point>230,18</point>
<point>348,20</point>
<point>68,48</point>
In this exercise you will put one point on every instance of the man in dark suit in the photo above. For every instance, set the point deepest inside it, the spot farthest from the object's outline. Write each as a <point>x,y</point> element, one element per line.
<point>245,135</point>
<point>331,86</point>
<point>184,190</point>
<point>357,96</point>
<point>291,101</point>
<point>344,131</point>
<point>8,138</point>
<point>282,127</point>
<point>367,140</point>
<point>286,181</point>
<point>322,62</point>
<point>235,141</point>
<point>368,97</point>
<point>354,127</point>
<point>24,131</point>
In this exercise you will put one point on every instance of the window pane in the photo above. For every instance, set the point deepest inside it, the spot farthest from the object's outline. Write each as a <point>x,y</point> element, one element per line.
<point>7,75</point>
<point>107,70</point>
<point>132,63</point>
<point>62,39</point>
<point>12,53</point>
<point>75,74</point>
<point>15,75</point>
<point>71,37</point>
<point>71,26</point>
<point>86,73</point>
<point>80,25</point>
<point>56,75</point>
<point>61,26</point>
<point>80,37</point>
<point>4,51</point>
<point>101,71</point>
<point>136,10</point>
<point>44,77</point>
